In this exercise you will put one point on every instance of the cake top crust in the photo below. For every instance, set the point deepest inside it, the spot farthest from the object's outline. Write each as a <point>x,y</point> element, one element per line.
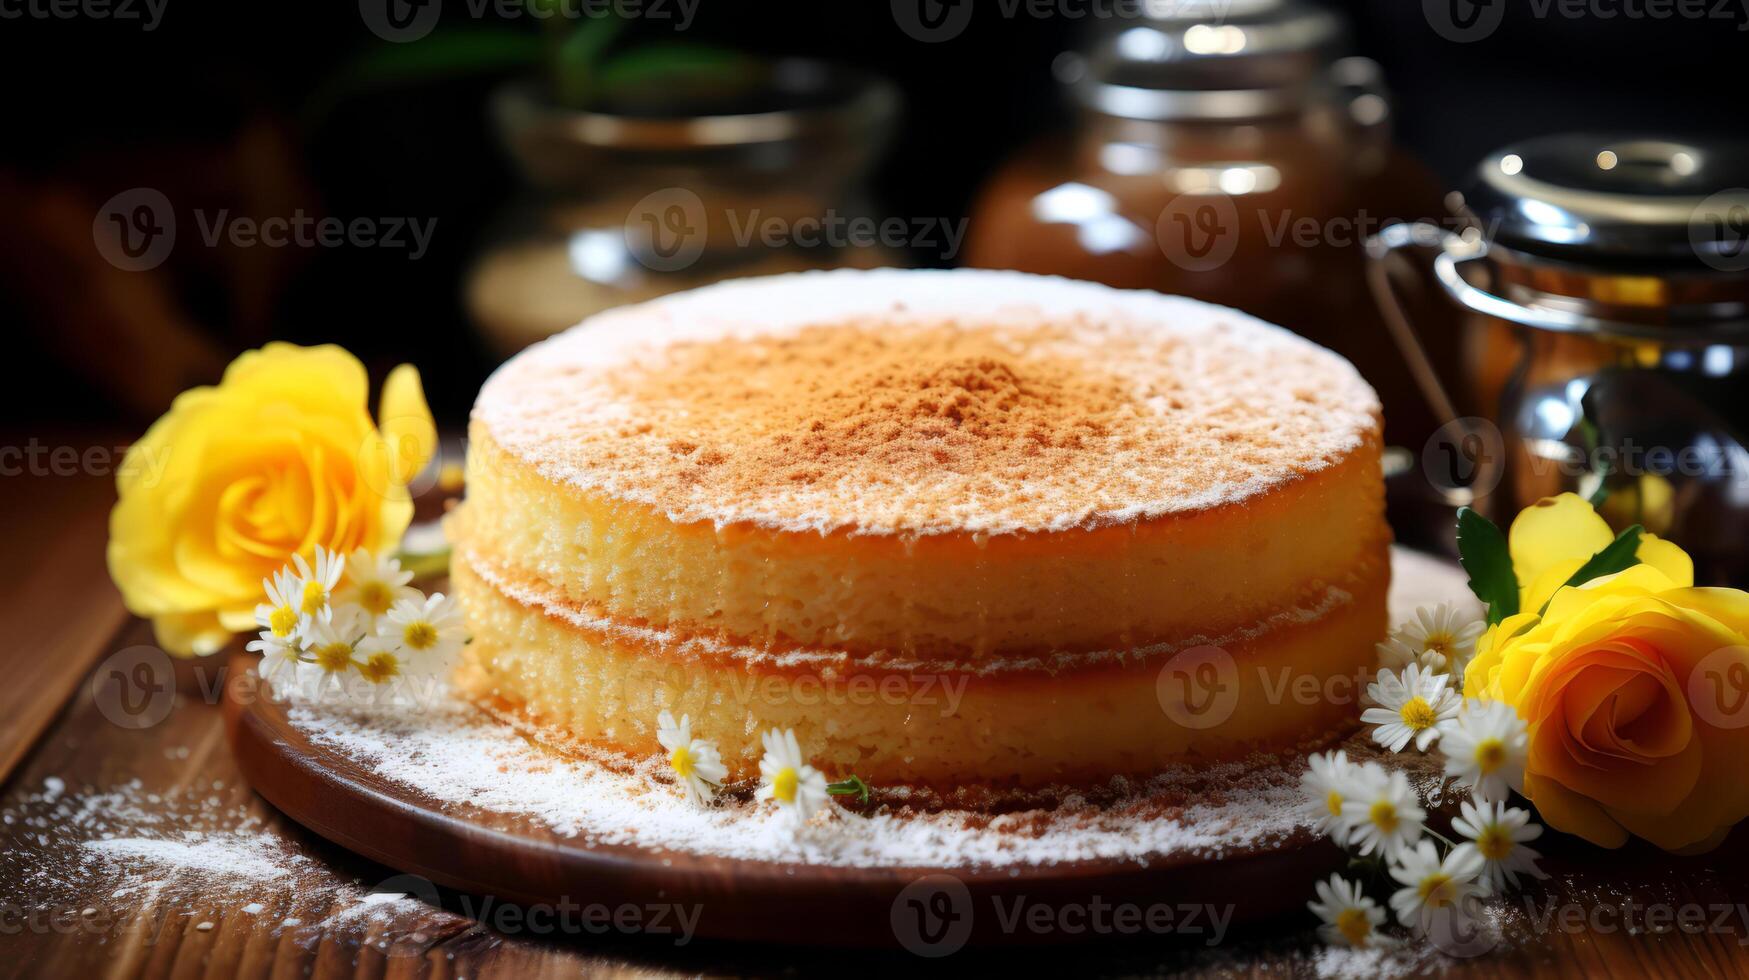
<point>926,402</point>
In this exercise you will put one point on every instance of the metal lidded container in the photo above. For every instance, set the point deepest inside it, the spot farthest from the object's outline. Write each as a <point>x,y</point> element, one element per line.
<point>1605,286</point>
<point>1220,59</point>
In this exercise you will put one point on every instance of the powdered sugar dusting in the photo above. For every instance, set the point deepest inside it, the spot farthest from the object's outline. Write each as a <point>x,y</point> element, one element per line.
<point>223,857</point>
<point>457,756</point>
<point>133,859</point>
<point>1030,404</point>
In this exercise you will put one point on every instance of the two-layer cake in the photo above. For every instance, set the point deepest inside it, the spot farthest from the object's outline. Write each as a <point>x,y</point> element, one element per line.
<point>948,526</point>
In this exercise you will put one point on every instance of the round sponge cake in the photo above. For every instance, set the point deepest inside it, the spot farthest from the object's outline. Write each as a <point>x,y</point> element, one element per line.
<point>955,528</point>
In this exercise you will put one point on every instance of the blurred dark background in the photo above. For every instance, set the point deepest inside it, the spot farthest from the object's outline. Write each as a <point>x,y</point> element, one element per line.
<point>260,108</point>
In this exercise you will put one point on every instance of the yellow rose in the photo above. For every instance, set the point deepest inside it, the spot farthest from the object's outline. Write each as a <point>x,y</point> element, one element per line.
<point>1615,684</point>
<point>1551,538</point>
<point>280,457</point>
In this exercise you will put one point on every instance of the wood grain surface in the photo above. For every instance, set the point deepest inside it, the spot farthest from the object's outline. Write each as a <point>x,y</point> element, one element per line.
<point>1630,913</point>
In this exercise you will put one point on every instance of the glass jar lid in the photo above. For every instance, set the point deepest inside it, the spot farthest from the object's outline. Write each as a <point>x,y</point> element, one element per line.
<point>1617,201</point>
<point>1208,59</point>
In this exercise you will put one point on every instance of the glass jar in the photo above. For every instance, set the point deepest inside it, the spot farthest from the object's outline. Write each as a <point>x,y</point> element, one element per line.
<point>1604,284</point>
<point>1229,154</point>
<point>628,206</point>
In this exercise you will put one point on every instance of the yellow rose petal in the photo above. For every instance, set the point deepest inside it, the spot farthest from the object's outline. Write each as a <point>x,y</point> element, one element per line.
<point>191,634</point>
<point>1571,812</point>
<point>1535,594</point>
<point>1666,557</point>
<point>406,423</point>
<point>1552,530</point>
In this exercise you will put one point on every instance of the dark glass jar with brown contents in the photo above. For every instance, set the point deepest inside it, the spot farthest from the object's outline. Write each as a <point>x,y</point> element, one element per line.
<point>1238,160</point>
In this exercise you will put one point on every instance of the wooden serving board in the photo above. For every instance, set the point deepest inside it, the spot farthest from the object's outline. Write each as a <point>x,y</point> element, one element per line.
<point>519,859</point>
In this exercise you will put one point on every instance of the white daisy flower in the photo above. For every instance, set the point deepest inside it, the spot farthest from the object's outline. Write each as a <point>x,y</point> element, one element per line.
<point>375,584</point>
<point>695,761</point>
<point>1410,707</point>
<point>1349,916</point>
<point>328,649</point>
<point>317,585</point>
<point>1485,747</point>
<point>432,628</point>
<point>1432,887</point>
<point>1498,833</point>
<point>279,655</point>
<point>1330,781</point>
<point>787,778</point>
<point>1395,654</point>
<point>282,614</point>
<point>378,661</point>
<point>1384,815</point>
<point>1442,637</point>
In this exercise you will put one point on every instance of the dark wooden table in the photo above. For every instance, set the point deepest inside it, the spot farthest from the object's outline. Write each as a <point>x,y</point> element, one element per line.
<point>1632,913</point>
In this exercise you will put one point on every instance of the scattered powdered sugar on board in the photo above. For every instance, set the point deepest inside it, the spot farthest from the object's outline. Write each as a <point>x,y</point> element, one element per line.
<point>133,859</point>
<point>223,858</point>
<point>456,755</point>
<point>1407,958</point>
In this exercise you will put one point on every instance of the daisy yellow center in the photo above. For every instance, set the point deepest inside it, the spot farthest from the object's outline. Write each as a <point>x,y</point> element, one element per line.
<point>1490,755</point>
<point>374,597</point>
<point>333,657</point>
<point>1333,803</point>
<point>379,667</point>
<point>282,620</point>
<point>1384,815</point>
<point>420,635</point>
<point>1494,843</point>
<point>1435,890</point>
<point>681,760</point>
<point>315,597</point>
<point>1417,713</point>
<point>784,784</point>
<point>1440,643</point>
<point>1354,926</point>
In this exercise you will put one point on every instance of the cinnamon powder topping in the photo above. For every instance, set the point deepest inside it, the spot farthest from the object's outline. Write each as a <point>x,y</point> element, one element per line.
<point>940,402</point>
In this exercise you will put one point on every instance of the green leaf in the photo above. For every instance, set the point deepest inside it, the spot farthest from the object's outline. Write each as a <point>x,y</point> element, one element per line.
<point>677,61</point>
<point>854,786</point>
<point>426,564</point>
<point>444,54</point>
<point>1483,552</point>
<point>1619,555</point>
<point>577,60</point>
<point>1599,495</point>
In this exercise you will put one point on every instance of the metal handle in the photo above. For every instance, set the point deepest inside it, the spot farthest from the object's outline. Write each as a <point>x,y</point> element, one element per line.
<point>1446,267</point>
<point>1379,249</point>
